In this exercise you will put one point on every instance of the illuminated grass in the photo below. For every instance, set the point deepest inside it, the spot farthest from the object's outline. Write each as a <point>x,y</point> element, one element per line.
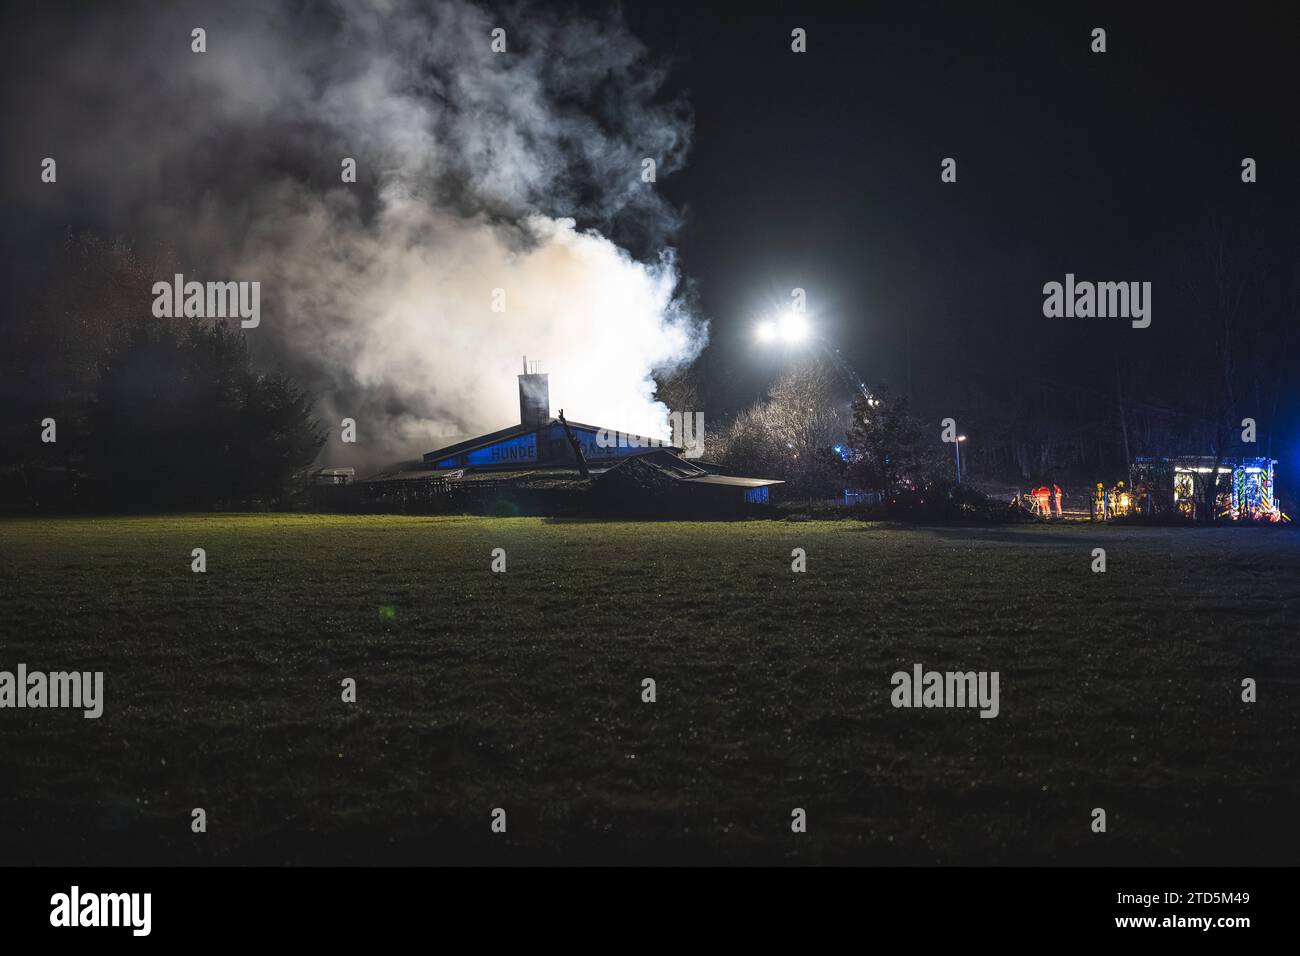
<point>478,690</point>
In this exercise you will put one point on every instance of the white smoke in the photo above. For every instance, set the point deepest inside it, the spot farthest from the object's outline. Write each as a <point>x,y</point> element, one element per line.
<point>420,281</point>
<point>477,171</point>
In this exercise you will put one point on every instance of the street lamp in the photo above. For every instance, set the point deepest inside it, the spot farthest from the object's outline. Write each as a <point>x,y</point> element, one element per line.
<point>957,445</point>
<point>793,328</point>
<point>790,327</point>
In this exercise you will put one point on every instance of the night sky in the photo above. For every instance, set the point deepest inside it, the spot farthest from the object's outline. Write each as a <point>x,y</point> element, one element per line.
<point>822,171</point>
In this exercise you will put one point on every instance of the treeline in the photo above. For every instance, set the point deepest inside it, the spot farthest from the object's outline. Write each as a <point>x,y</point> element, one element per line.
<point>108,408</point>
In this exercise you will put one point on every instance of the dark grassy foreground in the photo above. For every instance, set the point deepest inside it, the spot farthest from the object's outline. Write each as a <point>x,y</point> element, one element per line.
<point>522,690</point>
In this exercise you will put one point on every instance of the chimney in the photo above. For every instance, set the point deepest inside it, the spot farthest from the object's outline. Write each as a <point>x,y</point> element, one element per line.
<point>534,397</point>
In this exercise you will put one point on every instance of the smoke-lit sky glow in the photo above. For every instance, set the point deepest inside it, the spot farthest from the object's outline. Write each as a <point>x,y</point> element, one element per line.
<point>476,171</point>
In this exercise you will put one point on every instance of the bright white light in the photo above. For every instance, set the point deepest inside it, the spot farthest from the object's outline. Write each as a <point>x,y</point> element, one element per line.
<point>793,327</point>
<point>961,437</point>
<point>766,331</point>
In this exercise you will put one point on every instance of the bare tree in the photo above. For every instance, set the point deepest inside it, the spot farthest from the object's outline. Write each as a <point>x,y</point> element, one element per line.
<point>1224,286</point>
<point>790,434</point>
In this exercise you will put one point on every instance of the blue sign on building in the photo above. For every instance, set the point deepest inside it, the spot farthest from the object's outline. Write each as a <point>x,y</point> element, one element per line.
<point>522,449</point>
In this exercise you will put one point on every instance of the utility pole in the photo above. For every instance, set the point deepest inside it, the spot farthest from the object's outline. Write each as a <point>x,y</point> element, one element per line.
<point>910,400</point>
<point>1123,416</point>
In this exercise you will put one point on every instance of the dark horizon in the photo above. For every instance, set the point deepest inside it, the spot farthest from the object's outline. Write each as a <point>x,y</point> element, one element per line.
<point>821,171</point>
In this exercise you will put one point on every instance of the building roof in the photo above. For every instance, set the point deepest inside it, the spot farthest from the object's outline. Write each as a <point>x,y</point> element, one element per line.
<point>734,481</point>
<point>669,465</point>
<point>661,460</point>
<point>656,464</point>
<point>406,471</point>
<point>469,444</point>
<point>515,431</point>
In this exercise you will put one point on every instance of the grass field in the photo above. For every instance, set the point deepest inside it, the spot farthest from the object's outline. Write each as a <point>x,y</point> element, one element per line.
<point>522,691</point>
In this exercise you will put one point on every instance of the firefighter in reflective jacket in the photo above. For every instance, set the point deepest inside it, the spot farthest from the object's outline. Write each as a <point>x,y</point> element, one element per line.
<point>1043,498</point>
<point>1056,498</point>
<point>1121,502</point>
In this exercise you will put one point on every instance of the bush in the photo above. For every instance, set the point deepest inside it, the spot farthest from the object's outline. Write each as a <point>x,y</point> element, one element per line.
<point>941,503</point>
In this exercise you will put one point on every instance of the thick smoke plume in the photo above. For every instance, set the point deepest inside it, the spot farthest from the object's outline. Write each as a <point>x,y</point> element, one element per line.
<point>476,171</point>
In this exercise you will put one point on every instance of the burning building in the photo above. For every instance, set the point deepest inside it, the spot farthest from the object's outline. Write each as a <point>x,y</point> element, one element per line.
<point>549,465</point>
